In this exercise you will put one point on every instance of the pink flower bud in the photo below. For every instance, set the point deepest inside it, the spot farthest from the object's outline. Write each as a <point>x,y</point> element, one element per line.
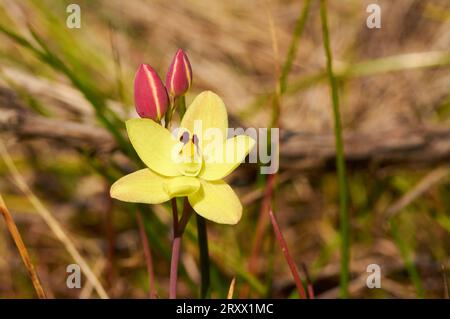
<point>150,95</point>
<point>179,76</point>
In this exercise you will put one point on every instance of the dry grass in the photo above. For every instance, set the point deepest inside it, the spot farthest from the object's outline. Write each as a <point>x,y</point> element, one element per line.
<point>230,47</point>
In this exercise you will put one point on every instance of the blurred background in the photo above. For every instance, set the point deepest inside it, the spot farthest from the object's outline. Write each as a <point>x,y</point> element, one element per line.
<point>62,89</point>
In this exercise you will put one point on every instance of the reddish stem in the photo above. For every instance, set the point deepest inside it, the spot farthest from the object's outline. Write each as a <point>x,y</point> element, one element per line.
<point>178,230</point>
<point>174,267</point>
<point>261,226</point>
<point>287,255</point>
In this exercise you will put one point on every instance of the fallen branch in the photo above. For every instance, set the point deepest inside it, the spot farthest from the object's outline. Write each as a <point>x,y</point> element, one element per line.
<point>424,145</point>
<point>301,151</point>
<point>25,125</point>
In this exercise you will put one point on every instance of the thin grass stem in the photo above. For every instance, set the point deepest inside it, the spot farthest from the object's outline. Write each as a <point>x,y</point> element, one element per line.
<point>293,48</point>
<point>340,159</point>
<point>15,234</point>
<point>406,254</point>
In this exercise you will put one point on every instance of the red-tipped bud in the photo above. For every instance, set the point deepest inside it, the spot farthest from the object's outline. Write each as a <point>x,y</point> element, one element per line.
<point>179,76</point>
<point>150,95</point>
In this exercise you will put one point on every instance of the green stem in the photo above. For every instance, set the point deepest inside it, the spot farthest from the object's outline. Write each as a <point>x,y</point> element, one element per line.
<point>204,256</point>
<point>169,113</point>
<point>340,159</point>
<point>182,106</point>
<point>408,259</point>
<point>298,31</point>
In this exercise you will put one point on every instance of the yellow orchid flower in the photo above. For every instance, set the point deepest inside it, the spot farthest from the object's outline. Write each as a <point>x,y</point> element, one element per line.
<point>193,165</point>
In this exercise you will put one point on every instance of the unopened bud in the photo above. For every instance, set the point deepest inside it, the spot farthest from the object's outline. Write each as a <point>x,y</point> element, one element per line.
<point>150,95</point>
<point>179,76</point>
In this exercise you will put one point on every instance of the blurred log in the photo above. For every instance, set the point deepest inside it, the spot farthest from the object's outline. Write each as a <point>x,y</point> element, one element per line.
<point>19,121</point>
<point>72,134</point>
<point>421,145</point>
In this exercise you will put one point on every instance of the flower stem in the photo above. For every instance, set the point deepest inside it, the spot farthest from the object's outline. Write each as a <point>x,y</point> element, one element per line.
<point>204,256</point>
<point>178,230</point>
<point>174,267</point>
<point>340,159</point>
<point>182,106</point>
<point>175,252</point>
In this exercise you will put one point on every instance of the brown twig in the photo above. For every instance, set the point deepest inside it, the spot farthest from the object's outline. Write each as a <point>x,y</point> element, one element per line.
<point>287,255</point>
<point>22,249</point>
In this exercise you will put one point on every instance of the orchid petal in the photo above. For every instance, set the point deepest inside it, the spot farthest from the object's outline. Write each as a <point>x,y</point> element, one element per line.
<point>182,186</point>
<point>223,159</point>
<point>207,118</point>
<point>145,186</point>
<point>154,144</point>
<point>217,202</point>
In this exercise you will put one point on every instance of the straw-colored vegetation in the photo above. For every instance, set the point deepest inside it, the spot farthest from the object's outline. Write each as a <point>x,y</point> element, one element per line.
<point>302,66</point>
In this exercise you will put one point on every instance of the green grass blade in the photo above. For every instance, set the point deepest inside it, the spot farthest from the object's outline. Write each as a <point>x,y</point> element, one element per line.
<point>405,251</point>
<point>298,31</point>
<point>340,159</point>
<point>104,115</point>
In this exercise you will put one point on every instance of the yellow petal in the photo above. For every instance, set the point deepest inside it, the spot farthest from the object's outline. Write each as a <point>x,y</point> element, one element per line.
<point>145,186</point>
<point>223,159</point>
<point>182,186</point>
<point>216,201</point>
<point>154,144</point>
<point>207,118</point>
